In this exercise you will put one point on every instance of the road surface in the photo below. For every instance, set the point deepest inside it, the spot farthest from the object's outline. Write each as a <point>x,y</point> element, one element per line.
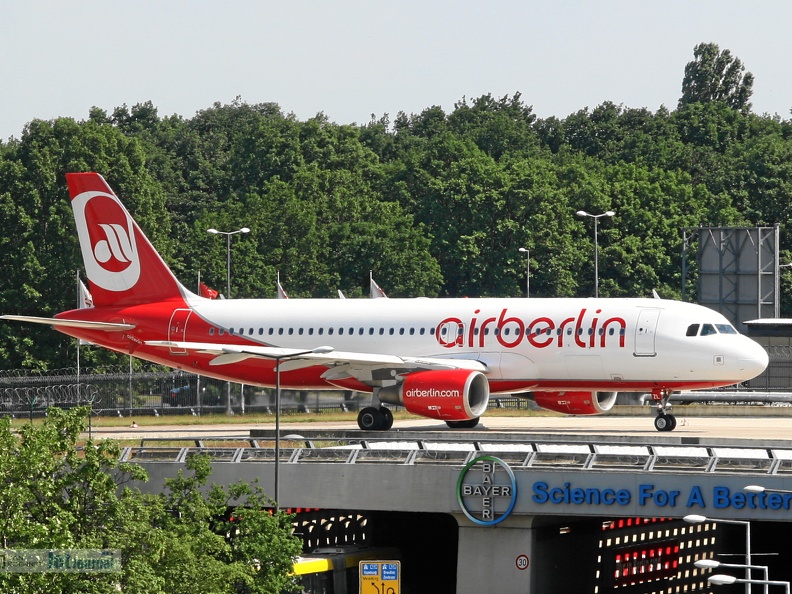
<point>606,428</point>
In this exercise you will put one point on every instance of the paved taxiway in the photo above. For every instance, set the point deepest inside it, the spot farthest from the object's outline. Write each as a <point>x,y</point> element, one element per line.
<point>759,430</point>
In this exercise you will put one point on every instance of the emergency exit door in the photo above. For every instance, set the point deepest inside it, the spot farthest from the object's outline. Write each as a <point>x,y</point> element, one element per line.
<point>177,329</point>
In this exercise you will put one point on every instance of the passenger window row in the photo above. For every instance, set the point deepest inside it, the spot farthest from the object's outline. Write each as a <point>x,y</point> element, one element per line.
<point>445,330</point>
<point>321,331</point>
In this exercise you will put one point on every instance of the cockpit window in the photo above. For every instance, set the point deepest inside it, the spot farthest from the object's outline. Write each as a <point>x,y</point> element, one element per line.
<point>710,329</point>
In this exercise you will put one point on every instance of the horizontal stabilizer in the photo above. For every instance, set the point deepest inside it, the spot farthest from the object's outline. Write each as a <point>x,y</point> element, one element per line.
<point>102,326</point>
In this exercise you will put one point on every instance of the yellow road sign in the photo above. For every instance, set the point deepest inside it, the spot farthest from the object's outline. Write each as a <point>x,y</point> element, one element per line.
<point>380,577</point>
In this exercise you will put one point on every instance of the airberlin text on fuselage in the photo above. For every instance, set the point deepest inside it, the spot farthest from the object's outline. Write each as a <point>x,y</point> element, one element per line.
<point>510,331</point>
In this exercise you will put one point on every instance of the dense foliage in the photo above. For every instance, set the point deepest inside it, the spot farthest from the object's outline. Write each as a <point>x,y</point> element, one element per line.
<point>435,203</point>
<point>183,540</point>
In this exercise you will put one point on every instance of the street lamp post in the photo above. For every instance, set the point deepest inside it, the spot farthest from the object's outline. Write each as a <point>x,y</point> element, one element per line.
<point>761,489</point>
<point>527,270</point>
<point>583,213</point>
<point>720,579</point>
<point>696,519</point>
<point>712,564</point>
<point>278,359</point>
<point>228,234</point>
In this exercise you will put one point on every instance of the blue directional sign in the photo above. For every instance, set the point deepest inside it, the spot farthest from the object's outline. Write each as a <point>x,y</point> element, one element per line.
<point>369,569</point>
<point>390,571</point>
<point>380,577</point>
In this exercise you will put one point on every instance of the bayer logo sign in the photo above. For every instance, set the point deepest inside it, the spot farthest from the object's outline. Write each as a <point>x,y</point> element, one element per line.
<point>486,490</point>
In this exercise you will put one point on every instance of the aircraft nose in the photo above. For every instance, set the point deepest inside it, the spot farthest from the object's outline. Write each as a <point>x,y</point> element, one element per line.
<point>753,359</point>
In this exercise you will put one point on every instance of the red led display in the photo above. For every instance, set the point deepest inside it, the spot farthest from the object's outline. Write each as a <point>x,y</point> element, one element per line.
<point>644,563</point>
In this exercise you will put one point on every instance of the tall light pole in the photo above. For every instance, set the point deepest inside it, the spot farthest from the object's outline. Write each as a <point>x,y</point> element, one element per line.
<point>712,564</point>
<point>278,359</point>
<point>720,579</point>
<point>583,213</point>
<point>527,253</point>
<point>228,234</point>
<point>696,519</point>
<point>761,489</point>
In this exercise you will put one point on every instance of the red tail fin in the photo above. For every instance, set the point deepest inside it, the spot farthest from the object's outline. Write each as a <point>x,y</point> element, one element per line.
<point>123,267</point>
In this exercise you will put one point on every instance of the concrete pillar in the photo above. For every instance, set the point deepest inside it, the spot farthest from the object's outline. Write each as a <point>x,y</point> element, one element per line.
<point>495,558</point>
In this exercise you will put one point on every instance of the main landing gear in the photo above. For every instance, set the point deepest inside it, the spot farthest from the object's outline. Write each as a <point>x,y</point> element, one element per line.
<point>663,421</point>
<point>375,419</point>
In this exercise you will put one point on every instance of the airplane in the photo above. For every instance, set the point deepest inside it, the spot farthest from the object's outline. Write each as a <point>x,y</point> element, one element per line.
<point>438,358</point>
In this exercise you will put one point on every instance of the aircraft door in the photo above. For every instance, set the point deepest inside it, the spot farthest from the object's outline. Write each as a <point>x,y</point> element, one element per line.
<point>645,333</point>
<point>177,329</point>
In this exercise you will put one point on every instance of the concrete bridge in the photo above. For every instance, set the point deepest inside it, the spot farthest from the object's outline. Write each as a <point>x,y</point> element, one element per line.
<point>486,512</point>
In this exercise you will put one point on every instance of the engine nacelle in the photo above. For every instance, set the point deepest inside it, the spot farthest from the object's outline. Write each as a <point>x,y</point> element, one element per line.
<point>448,394</point>
<point>576,403</point>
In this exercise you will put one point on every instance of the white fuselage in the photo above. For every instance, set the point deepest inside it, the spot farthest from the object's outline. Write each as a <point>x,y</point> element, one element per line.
<point>526,344</point>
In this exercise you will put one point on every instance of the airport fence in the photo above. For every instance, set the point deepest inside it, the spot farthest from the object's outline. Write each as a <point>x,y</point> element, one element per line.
<point>778,375</point>
<point>153,391</point>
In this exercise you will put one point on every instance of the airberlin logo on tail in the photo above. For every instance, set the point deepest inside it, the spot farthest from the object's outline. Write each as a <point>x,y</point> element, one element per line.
<point>115,251</point>
<point>107,240</point>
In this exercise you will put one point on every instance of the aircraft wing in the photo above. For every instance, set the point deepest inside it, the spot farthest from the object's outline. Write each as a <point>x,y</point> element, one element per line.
<point>340,363</point>
<point>104,326</point>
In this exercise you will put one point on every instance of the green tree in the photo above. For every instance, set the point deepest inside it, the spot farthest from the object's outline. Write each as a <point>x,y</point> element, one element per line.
<point>497,126</point>
<point>716,75</point>
<point>57,496</point>
<point>433,203</point>
<point>213,539</point>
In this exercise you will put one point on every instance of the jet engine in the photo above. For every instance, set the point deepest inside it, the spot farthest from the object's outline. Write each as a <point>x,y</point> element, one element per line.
<point>576,403</point>
<point>448,394</point>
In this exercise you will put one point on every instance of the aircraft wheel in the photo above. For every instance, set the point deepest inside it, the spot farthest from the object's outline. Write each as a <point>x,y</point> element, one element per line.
<point>664,422</point>
<point>387,418</point>
<point>673,421</point>
<point>469,424</point>
<point>370,419</point>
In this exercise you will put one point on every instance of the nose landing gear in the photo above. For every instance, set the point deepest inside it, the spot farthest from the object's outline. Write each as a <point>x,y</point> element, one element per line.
<point>664,421</point>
